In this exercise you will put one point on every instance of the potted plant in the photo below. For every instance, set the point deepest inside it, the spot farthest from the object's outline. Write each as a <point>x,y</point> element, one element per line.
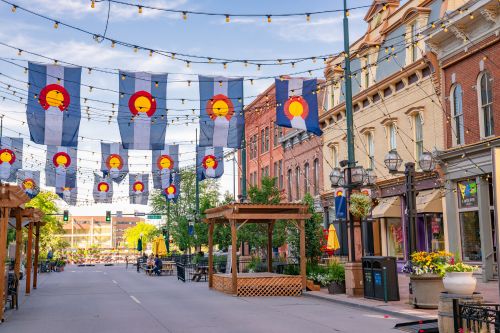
<point>459,280</point>
<point>336,276</point>
<point>426,271</point>
<point>360,205</point>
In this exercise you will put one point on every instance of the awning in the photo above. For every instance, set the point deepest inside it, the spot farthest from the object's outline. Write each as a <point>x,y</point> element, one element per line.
<point>429,201</point>
<point>387,207</point>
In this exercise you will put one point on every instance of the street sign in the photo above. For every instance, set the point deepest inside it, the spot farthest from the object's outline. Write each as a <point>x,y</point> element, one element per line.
<point>139,214</point>
<point>153,217</point>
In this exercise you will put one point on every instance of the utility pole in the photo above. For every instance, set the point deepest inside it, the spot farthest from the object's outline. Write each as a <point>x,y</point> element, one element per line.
<point>197,187</point>
<point>244,166</point>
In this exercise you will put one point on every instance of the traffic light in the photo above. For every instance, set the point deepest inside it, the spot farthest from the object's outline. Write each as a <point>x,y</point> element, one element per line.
<point>66,216</point>
<point>108,216</point>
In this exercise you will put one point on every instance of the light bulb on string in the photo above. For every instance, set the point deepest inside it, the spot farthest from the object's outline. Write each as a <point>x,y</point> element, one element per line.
<point>258,67</point>
<point>188,64</point>
<point>308,17</point>
<point>189,83</point>
<point>245,63</point>
<point>14,7</point>
<point>269,19</point>
<point>184,15</point>
<point>209,60</point>
<point>140,9</point>
<point>172,56</point>
<point>156,84</point>
<point>227,19</point>
<point>136,49</point>
<point>56,25</point>
<point>20,52</point>
<point>150,53</point>
<point>225,65</point>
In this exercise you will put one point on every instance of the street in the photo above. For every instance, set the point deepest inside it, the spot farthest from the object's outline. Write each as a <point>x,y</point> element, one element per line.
<point>113,299</point>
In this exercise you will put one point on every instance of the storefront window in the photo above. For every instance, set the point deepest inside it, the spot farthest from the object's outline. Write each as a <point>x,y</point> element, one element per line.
<point>430,232</point>
<point>471,240</point>
<point>394,238</point>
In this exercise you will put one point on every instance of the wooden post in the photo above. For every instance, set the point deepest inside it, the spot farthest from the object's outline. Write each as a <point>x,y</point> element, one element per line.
<point>303,259</point>
<point>234,272</point>
<point>270,226</point>
<point>29,253</point>
<point>210,254</point>
<point>19,241</point>
<point>37,252</point>
<point>4,220</point>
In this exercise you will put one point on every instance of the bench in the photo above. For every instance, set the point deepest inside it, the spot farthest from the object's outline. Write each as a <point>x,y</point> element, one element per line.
<point>168,267</point>
<point>201,271</point>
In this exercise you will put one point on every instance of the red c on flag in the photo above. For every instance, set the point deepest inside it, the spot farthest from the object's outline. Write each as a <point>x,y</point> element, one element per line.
<point>7,156</point>
<point>170,190</point>
<point>142,102</point>
<point>138,186</point>
<point>165,162</point>
<point>209,162</point>
<point>114,161</point>
<point>103,187</point>
<point>61,158</point>
<point>296,106</point>
<point>220,106</point>
<point>54,95</point>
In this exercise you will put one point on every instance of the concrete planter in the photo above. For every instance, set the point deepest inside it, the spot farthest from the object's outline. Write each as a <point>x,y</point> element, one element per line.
<point>425,290</point>
<point>460,283</point>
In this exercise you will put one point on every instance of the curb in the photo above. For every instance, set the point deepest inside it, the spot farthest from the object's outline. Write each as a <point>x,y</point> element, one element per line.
<point>367,307</point>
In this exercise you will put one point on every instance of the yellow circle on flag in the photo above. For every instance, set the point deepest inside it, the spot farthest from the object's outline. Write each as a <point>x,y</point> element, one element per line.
<point>55,98</point>
<point>61,160</point>
<point>139,187</point>
<point>220,108</point>
<point>296,109</point>
<point>142,104</point>
<point>5,157</point>
<point>28,184</point>
<point>114,162</point>
<point>210,163</point>
<point>165,163</point>
<point>170,190</point>
<point>103,187</point>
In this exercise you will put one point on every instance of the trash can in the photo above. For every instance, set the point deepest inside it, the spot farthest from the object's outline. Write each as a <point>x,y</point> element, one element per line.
<point>380,278</point>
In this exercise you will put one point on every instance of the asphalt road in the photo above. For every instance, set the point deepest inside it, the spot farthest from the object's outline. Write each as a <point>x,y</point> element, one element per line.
<point>113,299</point>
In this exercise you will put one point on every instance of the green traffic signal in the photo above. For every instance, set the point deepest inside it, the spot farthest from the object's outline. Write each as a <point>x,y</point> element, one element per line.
<point>108,216</point>
<point>66,216</point>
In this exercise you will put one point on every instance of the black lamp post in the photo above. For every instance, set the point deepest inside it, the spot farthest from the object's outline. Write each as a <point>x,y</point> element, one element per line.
<point>427,163</point>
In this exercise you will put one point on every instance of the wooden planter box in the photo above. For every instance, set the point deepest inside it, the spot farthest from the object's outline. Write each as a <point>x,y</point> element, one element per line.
<point>311,286</point>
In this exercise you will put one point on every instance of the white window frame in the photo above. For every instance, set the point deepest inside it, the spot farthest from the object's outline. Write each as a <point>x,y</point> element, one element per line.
<point>392,131</point>
<point>419,142</point>
<point>481,107</point>
<point>457,129</point>
<point>370,149</point>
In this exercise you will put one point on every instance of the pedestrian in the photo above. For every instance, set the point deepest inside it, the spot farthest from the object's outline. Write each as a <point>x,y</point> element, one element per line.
<point>158,266</point>
<point>126,262</point>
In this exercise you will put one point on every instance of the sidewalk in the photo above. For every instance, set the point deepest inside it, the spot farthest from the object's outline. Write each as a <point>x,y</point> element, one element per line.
<point>401,308</point>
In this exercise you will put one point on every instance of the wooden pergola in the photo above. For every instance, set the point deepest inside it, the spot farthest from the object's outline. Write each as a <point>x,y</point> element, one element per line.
<point>12,200</point>
<point>239,214</point>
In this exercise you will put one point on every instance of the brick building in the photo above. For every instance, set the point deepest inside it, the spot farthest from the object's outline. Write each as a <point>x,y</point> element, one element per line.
<point>467,51</point>
<point>262,137</point>
<point>87,231</point>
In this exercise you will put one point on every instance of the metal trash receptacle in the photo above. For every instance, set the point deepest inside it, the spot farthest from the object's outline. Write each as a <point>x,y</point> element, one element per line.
<point>380,278</point>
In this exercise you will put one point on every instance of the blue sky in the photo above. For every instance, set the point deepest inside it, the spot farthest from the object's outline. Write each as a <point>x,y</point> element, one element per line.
<point>199,35</point>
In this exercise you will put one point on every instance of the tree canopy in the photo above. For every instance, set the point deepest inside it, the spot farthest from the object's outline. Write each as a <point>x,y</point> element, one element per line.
<point>133,234</point>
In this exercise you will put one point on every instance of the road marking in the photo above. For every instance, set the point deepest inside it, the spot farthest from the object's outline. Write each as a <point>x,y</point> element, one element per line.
<point>115,282</point>
<point>105,273</point>
<point>135,299</point>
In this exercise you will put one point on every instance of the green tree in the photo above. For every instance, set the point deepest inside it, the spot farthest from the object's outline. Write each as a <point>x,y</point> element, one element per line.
<point>133,234</point>
<point>50,233</point>
<point>314,234</point>
<point>256,234</point>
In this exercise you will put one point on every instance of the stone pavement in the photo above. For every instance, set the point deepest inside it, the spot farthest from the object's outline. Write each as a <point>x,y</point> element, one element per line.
<point>402,308</point>
<point>113,299</point>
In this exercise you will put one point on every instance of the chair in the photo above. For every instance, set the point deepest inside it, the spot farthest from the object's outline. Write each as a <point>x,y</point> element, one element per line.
<point>13,291</point>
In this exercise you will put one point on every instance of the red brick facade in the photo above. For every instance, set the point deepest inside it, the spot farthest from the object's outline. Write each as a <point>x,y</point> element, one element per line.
<point>464,69</point>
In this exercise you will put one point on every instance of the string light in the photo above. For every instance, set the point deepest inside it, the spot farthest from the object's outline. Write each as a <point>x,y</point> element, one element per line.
<point>92,4</point>
<point>184,16</point>
<point>56,25</point>
<point>136,49</point>
<point>113,43</point>
<point>471,16</point>
<point>156,84</point>
<point>19,53</point>
<point>225,65</point>
<point>227,19</point>
<point>14,7</point>
<point>268,18</point>
<point>188,63</point>
<point>140,9</point>
<point>308,17</point>
<point>258,67</point>
<point>150,53</point>
<point>347,13</point>
<point>189,83</point>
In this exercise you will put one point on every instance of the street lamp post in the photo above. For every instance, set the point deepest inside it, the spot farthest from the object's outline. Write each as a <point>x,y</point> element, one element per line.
<point>426,162</point>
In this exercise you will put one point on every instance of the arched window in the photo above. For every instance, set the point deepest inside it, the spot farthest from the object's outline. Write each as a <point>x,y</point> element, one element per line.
<point>335,157</point>
<point>371,150</point>
<point>419,136</point>
<point>486,104</point>
<point>306,178</point>
<point>316,176</point>
<point>297,183</point>
<point>289,181</point>
<point>458,115</point>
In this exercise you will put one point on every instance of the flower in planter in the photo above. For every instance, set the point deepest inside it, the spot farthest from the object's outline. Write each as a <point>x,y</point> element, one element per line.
<point>428,263</point>
<point>360,205</point>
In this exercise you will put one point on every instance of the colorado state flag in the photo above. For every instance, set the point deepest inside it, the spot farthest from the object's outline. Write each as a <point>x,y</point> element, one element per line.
<point>53,109</point>
<point>29,181</point>
<point>297,104</point>
<point>165,163</point>
<point>210,162</point>
<point>139,189</point>
<point>11,158</point>
<point>221,112</point>
<point>61,167</point>
<point>103,189</point>
<point>114,162</point>
<point>142,111</point>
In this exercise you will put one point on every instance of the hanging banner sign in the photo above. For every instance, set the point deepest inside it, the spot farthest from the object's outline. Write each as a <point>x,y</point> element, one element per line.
<point>221,112</point>
<point>29,181</point>
<point>61,167</point>
<point>103,189</point>
<point>68,194</point>
<point>114,162</point>
<point>142,112</point>
<point>53,109</point>
<point>11,158</point>
<point>210,162</point>
<point>139,189</point>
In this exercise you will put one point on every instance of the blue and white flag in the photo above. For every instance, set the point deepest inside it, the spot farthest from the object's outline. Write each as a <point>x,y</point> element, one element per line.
<point>114,161</point>
<point>69,195</point>
<point>142,112</point>
<point>165,163</point>
<point>173,188</point>
<point>103,189</point>
<point>61,167</point>
<point>222,121</point>
<point>29,181</point>
<point>139,188</point>
<point>53,109</point>
<point>11,158</point>
<point>210,162</point>
<point>297,104</point>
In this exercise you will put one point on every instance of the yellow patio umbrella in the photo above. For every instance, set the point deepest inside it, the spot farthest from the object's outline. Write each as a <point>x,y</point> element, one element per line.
<point>161,247</point>
<point>333,240</point>
<point>154,246</point>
